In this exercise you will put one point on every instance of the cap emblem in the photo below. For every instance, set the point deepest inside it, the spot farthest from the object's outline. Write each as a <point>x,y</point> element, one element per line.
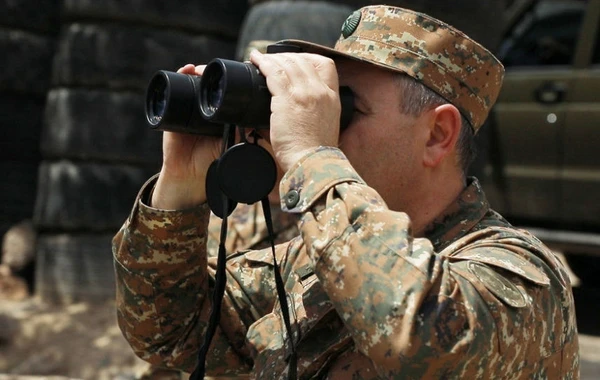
<point>351,24</point>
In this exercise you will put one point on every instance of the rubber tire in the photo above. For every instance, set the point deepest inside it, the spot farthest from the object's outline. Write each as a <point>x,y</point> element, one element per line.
<point>74,268</point>
<point>116,133</point>
<point>86,197</point>
<point>21,124</point>
<point>26,61</point>
<point>585,267</point>
<point>126,57</point>
<point>317,22</point>
<point>35,15</point>
<point>217,17</point>
<point>17,193</point>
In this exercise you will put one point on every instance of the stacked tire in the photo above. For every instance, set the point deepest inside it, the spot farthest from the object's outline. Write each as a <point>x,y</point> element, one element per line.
<point>27,39</point>
<point>96,147</point>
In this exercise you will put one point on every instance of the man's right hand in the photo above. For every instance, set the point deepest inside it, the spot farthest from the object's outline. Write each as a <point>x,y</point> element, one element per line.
<point>186,158</point>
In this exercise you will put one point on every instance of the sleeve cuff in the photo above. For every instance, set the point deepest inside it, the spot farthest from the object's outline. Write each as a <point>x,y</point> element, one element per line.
<point>312,176</point>
<point>185,222</point>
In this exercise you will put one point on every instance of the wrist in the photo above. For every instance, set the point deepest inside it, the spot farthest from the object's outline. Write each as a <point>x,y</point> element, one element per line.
<point>296,156</point>
<point>177,194</point>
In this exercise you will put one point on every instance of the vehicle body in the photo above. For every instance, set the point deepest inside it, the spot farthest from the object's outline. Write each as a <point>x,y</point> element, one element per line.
<point>543,167</point>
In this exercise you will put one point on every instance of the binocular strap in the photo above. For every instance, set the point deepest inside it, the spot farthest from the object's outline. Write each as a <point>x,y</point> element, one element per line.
<point>219,290</point>
<point>237,161</point>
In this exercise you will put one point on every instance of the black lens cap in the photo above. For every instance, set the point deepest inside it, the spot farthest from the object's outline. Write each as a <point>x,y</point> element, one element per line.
<point>247,173</point>
<point>214,194</point>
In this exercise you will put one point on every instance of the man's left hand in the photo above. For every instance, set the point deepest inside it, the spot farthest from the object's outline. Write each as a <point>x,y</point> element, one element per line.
<point>305,104</point>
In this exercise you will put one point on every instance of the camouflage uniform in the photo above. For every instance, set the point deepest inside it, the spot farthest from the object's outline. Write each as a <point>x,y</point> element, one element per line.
<point>246,229</point>
<point>473,298</point>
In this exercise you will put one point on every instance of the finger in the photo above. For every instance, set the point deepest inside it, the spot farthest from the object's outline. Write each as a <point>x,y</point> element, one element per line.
<point>299,72</point>
<point>323,66</point>
<point>307,85</point>
<point>187,69</point>
<point>312,78</point>
<point>302,68</point>
<point>199,70</point>
<point>192,69</point>
<point>277,78</point>
<point>296,70</point>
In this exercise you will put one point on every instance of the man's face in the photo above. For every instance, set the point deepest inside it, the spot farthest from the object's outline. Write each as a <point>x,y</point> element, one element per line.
<point>382,144</point>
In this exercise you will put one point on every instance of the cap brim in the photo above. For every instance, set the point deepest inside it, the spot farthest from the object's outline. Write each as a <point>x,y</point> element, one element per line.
<point>310,47</point>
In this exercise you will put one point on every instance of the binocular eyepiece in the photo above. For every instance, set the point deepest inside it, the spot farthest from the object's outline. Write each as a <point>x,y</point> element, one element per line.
<point>228,92</point>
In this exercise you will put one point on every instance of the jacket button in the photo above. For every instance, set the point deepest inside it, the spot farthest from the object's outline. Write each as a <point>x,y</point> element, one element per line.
<point>291,198</point>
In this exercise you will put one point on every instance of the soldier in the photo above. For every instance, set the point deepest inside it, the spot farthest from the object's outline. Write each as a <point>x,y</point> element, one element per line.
<point>401,269</point>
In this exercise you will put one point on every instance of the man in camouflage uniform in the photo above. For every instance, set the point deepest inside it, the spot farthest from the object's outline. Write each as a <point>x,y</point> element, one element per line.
<point>401,269</point>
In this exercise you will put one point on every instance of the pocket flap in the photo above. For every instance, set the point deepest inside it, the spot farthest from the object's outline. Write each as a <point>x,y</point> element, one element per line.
<point>507,260</point>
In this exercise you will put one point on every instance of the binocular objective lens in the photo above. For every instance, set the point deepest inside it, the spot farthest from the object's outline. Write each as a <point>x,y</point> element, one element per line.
<point>156,100</point>
<point>214,94</point>
<point>158,104</point>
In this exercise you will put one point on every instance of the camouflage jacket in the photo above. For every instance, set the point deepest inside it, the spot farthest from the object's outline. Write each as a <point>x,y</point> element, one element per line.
<point>474,298</point>
<point>247,229</point>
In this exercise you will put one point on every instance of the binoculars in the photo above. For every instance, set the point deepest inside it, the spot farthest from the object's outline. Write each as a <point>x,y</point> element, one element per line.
<point>228,92</point>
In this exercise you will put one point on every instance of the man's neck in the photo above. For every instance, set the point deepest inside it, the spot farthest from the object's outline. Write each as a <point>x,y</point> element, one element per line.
<point>434,200</point>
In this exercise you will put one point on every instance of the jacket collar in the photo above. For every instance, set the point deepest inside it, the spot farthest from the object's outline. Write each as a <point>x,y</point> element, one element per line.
<point>460,217</point>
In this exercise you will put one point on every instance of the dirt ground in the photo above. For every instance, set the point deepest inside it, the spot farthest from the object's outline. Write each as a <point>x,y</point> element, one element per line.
<point>80,341</point>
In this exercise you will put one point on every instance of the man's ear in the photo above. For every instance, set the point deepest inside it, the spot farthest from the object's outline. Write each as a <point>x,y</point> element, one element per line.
<point>444,129</point>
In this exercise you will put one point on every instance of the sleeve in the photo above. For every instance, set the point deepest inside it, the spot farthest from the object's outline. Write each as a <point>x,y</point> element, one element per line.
<point>407,307</point>
<point>164,282</point>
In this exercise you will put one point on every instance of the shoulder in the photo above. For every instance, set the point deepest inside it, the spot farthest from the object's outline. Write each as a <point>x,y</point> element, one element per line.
<point>508,264</point>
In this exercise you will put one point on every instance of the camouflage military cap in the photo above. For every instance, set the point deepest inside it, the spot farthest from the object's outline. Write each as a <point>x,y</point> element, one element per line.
<point>441,57</point>
<point>260,45</point>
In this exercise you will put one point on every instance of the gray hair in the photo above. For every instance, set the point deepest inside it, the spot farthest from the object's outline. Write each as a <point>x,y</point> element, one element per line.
<point>417,98</point>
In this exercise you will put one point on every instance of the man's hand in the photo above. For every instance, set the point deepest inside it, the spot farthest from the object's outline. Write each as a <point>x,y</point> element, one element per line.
<point>186,158</point>
<point>305,105</point>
